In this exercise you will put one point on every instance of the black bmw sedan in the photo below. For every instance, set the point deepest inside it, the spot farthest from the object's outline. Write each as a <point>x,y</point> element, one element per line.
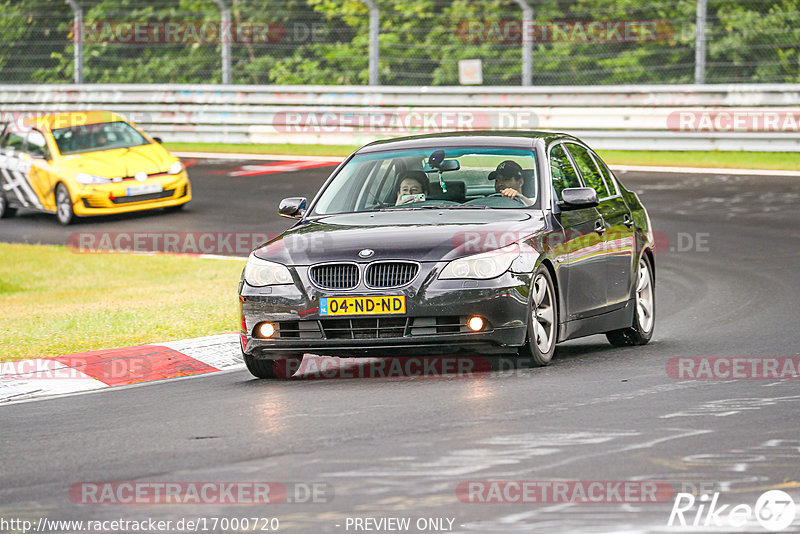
<point>489,242</point>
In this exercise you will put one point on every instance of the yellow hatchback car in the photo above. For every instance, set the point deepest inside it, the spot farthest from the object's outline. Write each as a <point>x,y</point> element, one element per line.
<point>86,163</point>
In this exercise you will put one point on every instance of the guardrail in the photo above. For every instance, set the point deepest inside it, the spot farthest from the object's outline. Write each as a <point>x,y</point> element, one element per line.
<point>674,117</point>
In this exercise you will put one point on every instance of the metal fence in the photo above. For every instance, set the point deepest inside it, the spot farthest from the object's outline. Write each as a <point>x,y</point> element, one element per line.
<point>400,42</point>
<point>671,117</point>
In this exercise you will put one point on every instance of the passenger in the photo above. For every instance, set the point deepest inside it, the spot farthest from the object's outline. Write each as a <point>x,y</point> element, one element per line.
<point>508,181</point>
<point>412,183</point>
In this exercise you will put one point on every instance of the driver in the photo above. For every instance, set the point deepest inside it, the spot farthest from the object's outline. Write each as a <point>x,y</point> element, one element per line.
<point>100,139</point>
<point>508,181</point>
<point>411,183</point>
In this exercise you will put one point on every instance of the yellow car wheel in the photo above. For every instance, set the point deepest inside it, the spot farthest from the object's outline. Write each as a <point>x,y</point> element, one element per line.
<point>64,210</point>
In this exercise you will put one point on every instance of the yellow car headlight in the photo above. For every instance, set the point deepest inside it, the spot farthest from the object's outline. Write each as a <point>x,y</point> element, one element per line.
<point>175,168</point>
<point>90,179</point>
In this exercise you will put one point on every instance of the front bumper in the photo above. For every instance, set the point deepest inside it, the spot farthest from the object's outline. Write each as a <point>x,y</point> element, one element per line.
<point>434,322</point>
<point>108,199</point>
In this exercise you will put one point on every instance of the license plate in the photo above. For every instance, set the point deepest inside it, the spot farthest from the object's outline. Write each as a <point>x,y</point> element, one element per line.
<point>362,305</point>
<point>144,189</point>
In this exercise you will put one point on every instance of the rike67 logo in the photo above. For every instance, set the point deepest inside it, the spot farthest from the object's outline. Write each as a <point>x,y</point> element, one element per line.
<point>774,510</point>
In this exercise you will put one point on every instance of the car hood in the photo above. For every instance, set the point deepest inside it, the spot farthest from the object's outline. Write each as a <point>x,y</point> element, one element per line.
<point>151,159</point>
<point>421,235</point>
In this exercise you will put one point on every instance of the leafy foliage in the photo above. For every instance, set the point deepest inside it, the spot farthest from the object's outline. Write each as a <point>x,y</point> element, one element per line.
<point>421,41</point>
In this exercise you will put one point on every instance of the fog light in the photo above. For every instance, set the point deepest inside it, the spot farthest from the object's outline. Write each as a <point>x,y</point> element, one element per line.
<point>265,330</point>
<point>475,324</point>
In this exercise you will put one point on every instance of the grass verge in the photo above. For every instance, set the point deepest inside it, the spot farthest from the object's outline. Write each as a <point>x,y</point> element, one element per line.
<point>57,302</point>
<point>782,161</point>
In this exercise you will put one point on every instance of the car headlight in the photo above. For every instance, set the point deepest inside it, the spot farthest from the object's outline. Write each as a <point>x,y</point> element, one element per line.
<point>260,273</point>
<point>175,168</point>
<point>481,266</point>
<point>91,179</point>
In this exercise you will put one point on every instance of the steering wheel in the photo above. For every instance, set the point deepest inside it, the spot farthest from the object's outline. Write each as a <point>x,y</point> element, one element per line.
<point>501,195</point>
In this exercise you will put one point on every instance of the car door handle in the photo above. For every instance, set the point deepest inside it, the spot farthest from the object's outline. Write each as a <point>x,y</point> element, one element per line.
<point>599,227</point>
<point>627,220</point>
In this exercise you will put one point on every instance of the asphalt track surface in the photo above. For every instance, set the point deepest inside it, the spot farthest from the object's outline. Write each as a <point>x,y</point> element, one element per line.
<point>399,447</point>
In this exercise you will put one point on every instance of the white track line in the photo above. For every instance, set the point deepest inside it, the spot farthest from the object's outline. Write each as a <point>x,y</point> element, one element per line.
<point>265,157</point>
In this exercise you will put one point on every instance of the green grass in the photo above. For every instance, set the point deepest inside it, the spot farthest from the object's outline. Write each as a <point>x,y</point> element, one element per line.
<point>725,160</point>
<point>57,302</point>
<point>783,161</point>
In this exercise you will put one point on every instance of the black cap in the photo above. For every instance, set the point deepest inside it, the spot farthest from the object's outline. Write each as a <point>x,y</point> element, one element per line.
<point>507,169</point>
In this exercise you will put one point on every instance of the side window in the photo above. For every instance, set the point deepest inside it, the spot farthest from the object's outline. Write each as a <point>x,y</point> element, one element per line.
<point>589,171</point>
<point>563,172</point>
<point>15,140</point>
<point>36,146</point>
<point>608,176</point>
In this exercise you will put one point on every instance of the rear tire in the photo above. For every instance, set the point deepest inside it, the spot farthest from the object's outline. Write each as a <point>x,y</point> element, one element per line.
<point>644,311</point>
<point>6,211</point>
<point>64,211</point>
<point>542,320</point>
<point>279,368</point>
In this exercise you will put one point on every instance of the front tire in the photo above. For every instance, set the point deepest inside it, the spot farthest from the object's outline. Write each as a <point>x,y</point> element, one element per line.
<point>280,368</point>
<point>644,315</point>
<point>542,320</point>
<point>64,211</point>
<point>6,211</point>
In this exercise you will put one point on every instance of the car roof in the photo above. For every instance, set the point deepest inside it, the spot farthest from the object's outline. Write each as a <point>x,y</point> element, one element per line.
<point>71,118</point>
<point>505,138</point>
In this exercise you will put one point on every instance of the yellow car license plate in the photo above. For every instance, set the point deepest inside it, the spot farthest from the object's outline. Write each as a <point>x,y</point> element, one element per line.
<point>362,305</point>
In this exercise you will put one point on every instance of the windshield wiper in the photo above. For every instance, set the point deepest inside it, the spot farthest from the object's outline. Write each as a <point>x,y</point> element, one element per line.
<point>436,207</point>
<point>401,208</point>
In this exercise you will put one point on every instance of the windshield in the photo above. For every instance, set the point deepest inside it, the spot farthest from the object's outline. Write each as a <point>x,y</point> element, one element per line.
<point>101,136</point>
<point>468,177</point>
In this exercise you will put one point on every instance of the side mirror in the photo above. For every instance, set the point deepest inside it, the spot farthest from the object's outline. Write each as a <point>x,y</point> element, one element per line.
<point>293,208</point>
<point>158,140</point>
<point>576,198</point>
